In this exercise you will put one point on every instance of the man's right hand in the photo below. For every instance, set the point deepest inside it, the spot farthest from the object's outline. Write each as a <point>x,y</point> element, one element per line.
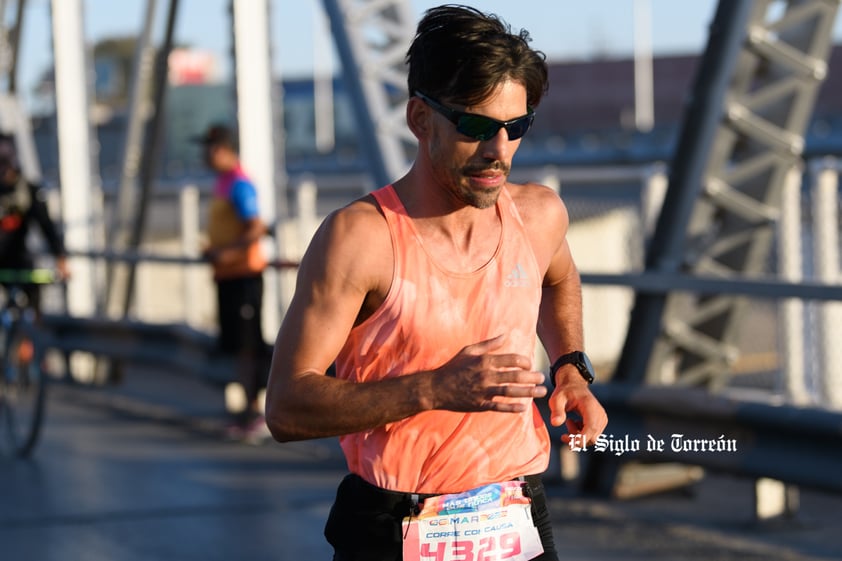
<point>477,379</point>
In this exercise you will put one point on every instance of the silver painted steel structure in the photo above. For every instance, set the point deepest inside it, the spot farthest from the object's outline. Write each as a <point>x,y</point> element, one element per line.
<point>79,182</point>
<point>372,37</point>
<point>260,132</point>
<point>118,283</point>
<point>743,133</point>
<point>13,116</point>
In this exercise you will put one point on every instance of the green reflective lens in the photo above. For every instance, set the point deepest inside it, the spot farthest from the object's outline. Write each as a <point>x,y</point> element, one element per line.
<point>480,127</point>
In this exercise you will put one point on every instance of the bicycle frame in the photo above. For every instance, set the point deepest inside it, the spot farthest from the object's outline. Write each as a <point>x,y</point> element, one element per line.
<point>22,383</point>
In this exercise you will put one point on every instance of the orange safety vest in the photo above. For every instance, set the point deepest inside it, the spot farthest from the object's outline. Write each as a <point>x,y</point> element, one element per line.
<point>225,226</point>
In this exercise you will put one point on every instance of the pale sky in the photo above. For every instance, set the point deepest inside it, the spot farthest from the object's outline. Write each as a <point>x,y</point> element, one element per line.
<point>563,29</point>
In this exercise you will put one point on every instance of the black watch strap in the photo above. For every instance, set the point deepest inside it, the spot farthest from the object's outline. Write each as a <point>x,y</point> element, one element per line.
<point>578,359</point>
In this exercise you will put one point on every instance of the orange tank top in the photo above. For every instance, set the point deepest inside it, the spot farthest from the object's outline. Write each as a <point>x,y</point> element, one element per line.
<point>428,316</point>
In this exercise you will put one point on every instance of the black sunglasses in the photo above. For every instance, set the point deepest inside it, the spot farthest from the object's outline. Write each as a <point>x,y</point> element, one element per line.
<point>480,127</point>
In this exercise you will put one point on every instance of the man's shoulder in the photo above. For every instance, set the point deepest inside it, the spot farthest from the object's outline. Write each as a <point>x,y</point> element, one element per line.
<point>357,230</point>
<point>353,242</point>
<point>537,202</point>
<point>361,217</point>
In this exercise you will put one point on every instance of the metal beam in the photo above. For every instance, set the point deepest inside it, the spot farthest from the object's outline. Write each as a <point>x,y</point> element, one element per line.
<point>178,347</point>
<point>15,45</point>
<point>120,231</point>
<point>260,132</point>
<point>74,142</point>
<point>742,135</point>
<point>797,445</point>
<point>654,283</point>
<point>152,147</point>
<point>371,38</point>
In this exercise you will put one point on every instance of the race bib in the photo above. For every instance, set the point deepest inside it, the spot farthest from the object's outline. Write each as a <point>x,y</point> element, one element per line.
<point>489,523</point>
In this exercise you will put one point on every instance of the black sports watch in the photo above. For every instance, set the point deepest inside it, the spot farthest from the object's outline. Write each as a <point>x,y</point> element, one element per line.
<point>578,359</point>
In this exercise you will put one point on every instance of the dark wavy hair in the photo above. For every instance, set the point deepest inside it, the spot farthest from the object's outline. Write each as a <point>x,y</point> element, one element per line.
<point>461,54</point>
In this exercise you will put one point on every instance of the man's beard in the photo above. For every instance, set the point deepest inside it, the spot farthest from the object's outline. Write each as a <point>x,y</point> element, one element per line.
<point>483,198</point>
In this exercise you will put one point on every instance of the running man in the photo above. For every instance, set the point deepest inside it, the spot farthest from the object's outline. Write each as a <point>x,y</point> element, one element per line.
<point>426,294</point>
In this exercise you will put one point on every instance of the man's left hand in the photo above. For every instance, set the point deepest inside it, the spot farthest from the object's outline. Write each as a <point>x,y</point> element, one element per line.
<point>574,395</point>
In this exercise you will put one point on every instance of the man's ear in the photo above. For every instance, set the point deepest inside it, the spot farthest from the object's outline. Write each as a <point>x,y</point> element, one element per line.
<point>418,117</point>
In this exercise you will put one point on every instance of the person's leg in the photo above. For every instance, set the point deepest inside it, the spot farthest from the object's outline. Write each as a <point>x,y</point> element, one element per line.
<point>33,298</point>
<point>251,344</point>
<point>251,366</point>
<point>227,314</point>
<point>26,349</point>
<point>228,345</point>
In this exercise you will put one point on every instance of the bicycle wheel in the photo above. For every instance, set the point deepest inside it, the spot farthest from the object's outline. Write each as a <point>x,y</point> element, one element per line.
<point>22,392</point>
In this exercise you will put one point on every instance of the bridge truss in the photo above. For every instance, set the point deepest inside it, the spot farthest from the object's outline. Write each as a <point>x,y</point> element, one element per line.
<point>742,135</point>
<point>372,38</point>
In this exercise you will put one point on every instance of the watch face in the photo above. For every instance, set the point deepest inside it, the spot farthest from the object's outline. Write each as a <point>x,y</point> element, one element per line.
<point>578,359</point>
<point>587,362</point>
<point>586,368</point>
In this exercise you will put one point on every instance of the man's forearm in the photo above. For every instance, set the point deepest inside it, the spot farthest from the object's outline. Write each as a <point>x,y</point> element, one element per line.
<point>560,319</point>
<point>318,406</point>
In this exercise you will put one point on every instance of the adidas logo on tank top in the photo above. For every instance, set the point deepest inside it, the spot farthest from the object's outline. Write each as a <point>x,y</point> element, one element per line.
<point>517,277</point>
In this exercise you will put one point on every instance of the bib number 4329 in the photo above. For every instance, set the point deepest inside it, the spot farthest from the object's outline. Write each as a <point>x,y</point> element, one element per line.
<point>489,548</point>
<point>501,533</point>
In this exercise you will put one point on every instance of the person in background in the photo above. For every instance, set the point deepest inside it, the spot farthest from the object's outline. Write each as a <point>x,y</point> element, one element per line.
<point>234,232</point>
<point>430,294</point>
<point>22,204</point>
